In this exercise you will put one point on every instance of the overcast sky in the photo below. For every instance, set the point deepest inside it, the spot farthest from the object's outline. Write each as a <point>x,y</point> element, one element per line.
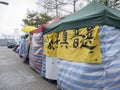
<point>11,15</point>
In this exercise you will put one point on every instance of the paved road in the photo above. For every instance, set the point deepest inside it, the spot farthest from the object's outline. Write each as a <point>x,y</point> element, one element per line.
<point>14,75</point>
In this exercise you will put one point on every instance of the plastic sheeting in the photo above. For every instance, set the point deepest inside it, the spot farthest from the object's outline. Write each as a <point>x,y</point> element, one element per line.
<point>22,49</point>
<point>36,52</point>
<point>85,76</point>
<point>51,68</point>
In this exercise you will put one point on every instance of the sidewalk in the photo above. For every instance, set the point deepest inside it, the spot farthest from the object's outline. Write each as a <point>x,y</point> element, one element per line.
<point>14,75</point>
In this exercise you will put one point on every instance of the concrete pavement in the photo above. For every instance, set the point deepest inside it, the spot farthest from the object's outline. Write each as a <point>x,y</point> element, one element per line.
<point>14,75</point>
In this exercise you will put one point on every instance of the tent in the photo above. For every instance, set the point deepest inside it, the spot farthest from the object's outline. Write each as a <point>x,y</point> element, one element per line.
<point>91,15</point>
<point>88,76</point>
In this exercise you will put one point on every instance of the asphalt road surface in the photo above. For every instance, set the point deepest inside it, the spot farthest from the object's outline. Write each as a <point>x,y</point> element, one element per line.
<point>14,75</point>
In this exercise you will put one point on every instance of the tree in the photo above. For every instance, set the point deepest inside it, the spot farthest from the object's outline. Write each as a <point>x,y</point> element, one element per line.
<point>73,3</point>
<point>45,5</point>
<point>52,6</point>
<point>111,3</point>
<point>43,18</point>
<point>36,19</point>
<point>29,20</point>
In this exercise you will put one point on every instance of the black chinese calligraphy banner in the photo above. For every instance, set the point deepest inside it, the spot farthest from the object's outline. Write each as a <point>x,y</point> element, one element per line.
<point>79,45</point>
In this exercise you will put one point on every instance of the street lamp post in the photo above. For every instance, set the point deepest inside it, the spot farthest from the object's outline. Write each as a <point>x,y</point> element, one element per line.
<point>5,3</point>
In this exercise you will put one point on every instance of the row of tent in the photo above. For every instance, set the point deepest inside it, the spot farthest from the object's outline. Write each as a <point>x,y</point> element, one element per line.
<point>81,51</point>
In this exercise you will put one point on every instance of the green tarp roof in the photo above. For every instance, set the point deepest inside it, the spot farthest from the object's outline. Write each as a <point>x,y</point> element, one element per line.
<point>93,14</point>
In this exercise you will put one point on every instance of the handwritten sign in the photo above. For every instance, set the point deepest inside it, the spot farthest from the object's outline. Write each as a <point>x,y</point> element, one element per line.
<point>79,45</point>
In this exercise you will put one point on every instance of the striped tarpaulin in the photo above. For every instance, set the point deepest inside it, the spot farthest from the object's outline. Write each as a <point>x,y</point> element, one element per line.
<point>86,76</point>
<point>36,53</point>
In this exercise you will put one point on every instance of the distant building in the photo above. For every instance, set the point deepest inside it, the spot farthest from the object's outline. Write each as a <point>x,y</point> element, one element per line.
<point>4,39</point>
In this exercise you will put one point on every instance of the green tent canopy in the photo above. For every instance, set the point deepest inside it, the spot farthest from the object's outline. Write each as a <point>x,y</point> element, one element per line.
<point>93,14</point>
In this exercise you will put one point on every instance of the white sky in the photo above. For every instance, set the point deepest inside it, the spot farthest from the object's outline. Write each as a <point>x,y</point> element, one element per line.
<point>11,15</point>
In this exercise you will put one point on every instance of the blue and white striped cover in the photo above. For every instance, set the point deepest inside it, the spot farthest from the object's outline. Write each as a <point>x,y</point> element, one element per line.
<point>85,76</point>
<point>23,50</point>
<point>43,71</point>
<point>36,56</point>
